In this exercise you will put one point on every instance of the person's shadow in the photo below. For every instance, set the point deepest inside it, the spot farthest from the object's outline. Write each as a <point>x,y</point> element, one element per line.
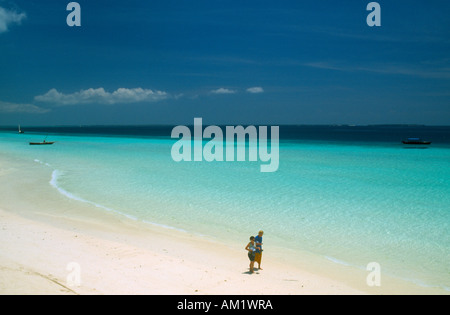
<point>250,273</point>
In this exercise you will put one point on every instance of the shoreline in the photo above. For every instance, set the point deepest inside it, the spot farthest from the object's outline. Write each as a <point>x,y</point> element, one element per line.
<point>117,255</point>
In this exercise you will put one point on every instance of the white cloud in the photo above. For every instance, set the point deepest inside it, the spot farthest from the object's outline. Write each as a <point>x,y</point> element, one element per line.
<point>9,17</point>
<point>255,90</point>
<point>223,91</point>
<point>100,96</point>
<point>10,108</point>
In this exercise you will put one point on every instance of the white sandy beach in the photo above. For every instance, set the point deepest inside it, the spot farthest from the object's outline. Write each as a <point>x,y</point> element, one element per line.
<point>34,257</point>
<point>42,232</point>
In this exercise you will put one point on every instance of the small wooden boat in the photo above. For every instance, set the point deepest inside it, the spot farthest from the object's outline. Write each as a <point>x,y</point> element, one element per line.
<point>42,143</point>
<point>45,142</point>
<point>416,141</point>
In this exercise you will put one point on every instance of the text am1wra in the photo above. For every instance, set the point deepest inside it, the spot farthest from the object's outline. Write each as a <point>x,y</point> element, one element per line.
<point>227,305</point>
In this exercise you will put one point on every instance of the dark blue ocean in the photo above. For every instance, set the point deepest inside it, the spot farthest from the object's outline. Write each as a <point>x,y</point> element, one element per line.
<point>440,135</point>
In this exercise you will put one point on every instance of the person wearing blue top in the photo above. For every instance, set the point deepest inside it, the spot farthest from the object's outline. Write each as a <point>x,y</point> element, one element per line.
<point>259,250</point>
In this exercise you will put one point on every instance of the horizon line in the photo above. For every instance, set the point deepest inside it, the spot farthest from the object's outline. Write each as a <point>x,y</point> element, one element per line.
<point>223,124</point>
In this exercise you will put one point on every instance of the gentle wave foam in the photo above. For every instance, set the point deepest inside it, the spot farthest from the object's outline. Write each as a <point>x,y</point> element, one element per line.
<point>56,174</point>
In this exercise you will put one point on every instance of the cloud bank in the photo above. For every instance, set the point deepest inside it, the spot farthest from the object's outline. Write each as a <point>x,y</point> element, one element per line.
<point>9,17</point>
<point>8,108</point>
<point>100,96</point>
<point>54,98</point>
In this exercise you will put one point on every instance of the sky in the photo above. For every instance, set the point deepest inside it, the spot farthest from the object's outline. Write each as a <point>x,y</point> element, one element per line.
<point>228,62</point>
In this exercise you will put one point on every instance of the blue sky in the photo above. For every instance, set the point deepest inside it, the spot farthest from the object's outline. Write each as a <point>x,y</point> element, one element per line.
<point>229,62</point>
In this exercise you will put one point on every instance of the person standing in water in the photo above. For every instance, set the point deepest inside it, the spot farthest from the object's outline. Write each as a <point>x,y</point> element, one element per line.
<point>259,250</point>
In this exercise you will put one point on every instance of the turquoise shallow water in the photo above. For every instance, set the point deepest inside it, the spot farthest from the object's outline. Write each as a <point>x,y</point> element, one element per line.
<point>349,202</point>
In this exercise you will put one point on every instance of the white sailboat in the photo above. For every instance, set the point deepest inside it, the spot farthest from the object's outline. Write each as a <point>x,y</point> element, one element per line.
<point>20,130</point>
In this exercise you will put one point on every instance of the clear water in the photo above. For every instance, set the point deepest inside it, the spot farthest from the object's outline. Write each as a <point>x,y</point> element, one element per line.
<point>347,200</point>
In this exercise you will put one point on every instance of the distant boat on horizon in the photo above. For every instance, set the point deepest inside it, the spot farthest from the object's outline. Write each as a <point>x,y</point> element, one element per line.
<point>416,141</point>
<point>20,130</point>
